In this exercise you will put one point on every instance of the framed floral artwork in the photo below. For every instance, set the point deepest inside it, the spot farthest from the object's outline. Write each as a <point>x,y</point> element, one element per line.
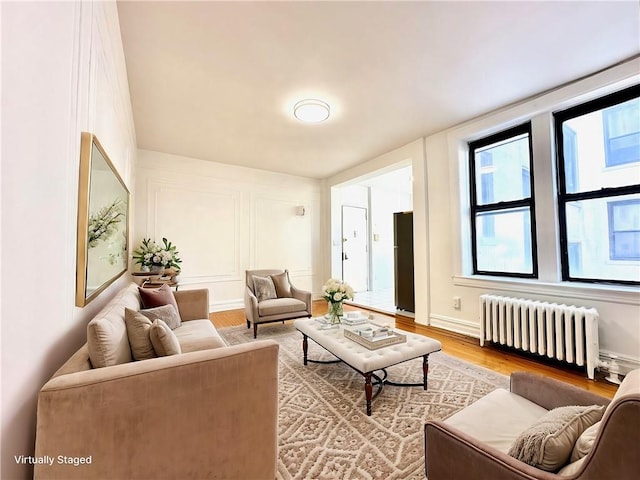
<point>103,222</point>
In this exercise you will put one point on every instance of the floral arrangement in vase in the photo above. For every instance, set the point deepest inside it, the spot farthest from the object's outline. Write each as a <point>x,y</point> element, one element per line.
<point>156,257</point>
<point>335,292</point>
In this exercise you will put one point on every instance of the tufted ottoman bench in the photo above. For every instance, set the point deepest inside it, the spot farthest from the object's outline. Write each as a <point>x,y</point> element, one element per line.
<point>366,361</point>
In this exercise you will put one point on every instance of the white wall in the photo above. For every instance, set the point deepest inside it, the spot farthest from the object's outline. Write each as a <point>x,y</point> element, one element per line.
<point>442,261</point>
<point>63,72</point>
<point>226,219</point>
<point>450,271</point>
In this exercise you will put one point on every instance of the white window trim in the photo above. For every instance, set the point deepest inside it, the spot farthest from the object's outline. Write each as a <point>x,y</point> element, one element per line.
<point>539,111</point>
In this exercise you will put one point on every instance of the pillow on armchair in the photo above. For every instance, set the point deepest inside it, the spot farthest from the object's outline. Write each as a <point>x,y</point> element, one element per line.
<point>264,288</point>
<point>282,284</point>
<point>548,443</point>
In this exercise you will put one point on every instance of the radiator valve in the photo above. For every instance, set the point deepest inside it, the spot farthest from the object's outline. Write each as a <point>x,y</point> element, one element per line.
<point>613,368</point>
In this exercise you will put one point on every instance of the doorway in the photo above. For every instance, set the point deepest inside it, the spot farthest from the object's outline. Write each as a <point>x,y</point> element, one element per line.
<point>355,247</point>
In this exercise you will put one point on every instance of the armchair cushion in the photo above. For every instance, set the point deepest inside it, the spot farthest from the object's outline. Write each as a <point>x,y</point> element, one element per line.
<point>166,313</point>
<point>163,339</point>
<point>278,306</point>
<point>485,419</point>
<point>264,288</point>
<point>547,444</point>
<point>157,297</point>
<point>138,327</point>
<point>281,282</point>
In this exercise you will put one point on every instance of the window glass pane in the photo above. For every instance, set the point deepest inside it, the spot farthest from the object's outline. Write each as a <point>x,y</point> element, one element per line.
<point>499,169</point>
<point>596,142</point>
<point>608,232</point>
<point>508,248</point>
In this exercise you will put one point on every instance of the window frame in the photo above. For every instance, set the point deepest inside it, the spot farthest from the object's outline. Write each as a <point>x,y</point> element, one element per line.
<point>564,198</point>
<point>529,202</point>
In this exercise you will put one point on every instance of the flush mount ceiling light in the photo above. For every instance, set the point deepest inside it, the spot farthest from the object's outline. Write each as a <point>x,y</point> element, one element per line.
<point>311,111</point>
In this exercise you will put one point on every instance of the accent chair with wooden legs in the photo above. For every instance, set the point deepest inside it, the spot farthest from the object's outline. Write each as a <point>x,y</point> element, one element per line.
<point>270,297</point>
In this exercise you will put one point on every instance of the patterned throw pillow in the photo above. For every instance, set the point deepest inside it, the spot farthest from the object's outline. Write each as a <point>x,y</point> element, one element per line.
<point>166,313</point>
<point>548,443</point>
<point>163,339</point>
<point>264,288</point>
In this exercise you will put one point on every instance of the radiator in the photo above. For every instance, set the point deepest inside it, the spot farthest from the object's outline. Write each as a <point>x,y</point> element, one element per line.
<point>563,332</point>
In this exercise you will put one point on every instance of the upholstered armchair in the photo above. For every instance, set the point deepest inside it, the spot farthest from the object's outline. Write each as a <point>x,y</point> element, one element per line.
<point>270,297</point>
<point>476,441</point>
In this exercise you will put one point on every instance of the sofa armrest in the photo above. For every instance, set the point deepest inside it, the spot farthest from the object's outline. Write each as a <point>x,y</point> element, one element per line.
<point>303,296</point>
<point>450,453</point>
<point>193,304</point>
<point>550,393</point>
<point>250,305</point>
<point>182,416</point>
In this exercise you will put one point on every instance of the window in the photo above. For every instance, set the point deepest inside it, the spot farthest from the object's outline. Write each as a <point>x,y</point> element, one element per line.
<point>599,206</point>
<point>621,127</point>
<point>502,208</point>
<point>624,230</point>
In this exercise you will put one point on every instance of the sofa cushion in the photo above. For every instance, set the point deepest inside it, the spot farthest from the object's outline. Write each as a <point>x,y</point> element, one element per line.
<point>166,313</point>
<point>278,306</point>
<point>547,444</point>
<point>163,339</point>
<point>197,335</point>
<point>585,442</point>
<point>138,327</point>
<point>497,418</point>
<point>281,282</point>
<point>264,289</point>
<point>107,339</point>
<point>157,297</point>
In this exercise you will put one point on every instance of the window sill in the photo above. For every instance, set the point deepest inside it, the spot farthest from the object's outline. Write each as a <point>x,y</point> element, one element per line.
<point>603,293</point>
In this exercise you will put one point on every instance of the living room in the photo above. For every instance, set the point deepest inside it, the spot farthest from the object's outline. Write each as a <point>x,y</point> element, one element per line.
<point>65,71</point>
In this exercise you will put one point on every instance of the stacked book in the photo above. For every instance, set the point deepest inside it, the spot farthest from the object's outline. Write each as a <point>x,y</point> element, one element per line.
<point>354,318</point>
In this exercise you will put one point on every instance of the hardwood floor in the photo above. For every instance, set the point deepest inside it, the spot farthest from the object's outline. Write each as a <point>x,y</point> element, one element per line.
<point>465,348</point>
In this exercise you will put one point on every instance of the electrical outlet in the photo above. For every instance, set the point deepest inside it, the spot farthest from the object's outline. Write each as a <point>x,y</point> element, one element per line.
<point>457,303</point>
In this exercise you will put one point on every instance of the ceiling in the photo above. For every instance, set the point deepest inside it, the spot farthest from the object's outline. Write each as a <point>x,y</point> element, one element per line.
<point>217,80</point>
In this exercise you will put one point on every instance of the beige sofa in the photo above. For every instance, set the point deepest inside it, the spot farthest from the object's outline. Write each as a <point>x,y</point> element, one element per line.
<point>209,412</point>
<point>475,442</point>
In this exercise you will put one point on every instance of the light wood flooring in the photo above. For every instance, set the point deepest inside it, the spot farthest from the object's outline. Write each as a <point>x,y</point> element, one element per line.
<point>465,348</point>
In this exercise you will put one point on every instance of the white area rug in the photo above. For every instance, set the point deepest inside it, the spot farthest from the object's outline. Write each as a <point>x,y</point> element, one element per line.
<point>324,432</point>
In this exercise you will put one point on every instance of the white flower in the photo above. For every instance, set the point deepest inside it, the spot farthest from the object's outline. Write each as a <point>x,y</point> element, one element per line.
<point>336,291</point>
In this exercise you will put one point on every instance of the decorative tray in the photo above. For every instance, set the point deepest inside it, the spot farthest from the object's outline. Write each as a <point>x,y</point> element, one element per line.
<point>374,336</point>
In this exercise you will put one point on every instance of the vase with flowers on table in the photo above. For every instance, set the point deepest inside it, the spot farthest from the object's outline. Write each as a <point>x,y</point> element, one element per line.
<point>159,262</point>
<point>335,292</point>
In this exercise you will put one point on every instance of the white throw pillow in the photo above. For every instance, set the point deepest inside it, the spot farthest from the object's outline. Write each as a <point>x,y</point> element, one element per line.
<point>548,443</point>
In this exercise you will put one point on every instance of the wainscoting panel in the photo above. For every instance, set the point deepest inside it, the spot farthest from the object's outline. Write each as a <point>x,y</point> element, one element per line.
<point>283,239</point>
<point>205,223</point>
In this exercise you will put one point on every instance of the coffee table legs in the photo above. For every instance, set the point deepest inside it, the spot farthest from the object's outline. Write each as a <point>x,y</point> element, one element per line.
<point>305,347</point>
<point>368,391</point>
<point>425,369</point>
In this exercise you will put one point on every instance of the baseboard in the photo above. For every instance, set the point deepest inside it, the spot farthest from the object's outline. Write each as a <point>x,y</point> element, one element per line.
<point>457,325</point>
<point>237,304</point>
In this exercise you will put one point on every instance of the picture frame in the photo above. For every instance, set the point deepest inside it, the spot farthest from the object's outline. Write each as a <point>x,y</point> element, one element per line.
<point>103,222</point>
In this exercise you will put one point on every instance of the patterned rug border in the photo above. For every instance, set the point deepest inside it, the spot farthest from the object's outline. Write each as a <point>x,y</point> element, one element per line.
<point>324,432</point>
